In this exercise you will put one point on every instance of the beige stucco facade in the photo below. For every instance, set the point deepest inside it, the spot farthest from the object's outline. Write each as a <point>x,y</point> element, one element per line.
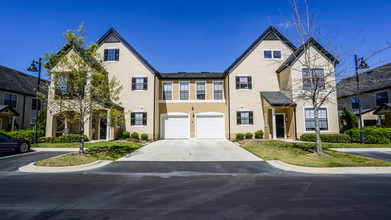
<point>264,78</point>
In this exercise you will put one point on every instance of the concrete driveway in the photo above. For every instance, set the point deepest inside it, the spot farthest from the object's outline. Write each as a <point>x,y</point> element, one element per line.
<point>191,150</point>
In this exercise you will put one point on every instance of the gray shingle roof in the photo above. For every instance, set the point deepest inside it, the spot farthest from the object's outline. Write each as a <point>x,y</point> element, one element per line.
<point>299,51</point>
<point>388,105</point>
<point>371,80</point>
<point>192,75</point>
<point>2,107</point>
<point>363,111</point>
<point>277,99</point>
<point>18,82</point>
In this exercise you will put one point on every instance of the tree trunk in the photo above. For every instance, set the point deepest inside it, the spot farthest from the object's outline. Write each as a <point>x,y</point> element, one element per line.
<point>81,150</point>
<point>319,150</point>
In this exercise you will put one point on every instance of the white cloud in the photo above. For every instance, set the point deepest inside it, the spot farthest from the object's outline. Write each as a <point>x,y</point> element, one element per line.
<point>285,25</point>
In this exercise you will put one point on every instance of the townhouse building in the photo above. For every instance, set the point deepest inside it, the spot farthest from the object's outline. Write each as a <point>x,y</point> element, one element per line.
<point>257,92</point>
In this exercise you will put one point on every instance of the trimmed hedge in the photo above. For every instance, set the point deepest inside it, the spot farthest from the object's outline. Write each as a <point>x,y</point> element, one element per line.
<point>259,134</point>
<point>239,136</point>
<point>125,135</point>
<point>134,135</point>
<point>331,138</point>
<point>248,135</point>
<point>70,138</point>
<point>144,137</point>
<point>27,134</point>
<point>372,135</point>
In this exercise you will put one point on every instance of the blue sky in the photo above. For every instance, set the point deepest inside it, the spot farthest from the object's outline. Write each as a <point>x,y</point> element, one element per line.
<point>184,35</point>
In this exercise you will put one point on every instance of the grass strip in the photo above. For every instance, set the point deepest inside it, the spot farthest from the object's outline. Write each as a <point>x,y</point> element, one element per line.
<point>299,154</point>
<point>95,151</point>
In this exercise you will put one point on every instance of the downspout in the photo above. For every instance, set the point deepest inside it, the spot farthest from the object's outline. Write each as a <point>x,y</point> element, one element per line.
<point>154,100</point>
<point>229,110</point>
<point>294,115</point>
<point>24,107</point>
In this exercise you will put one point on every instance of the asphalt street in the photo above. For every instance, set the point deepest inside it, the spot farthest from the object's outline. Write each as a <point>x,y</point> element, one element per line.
<point>381,155</point>
<point>188,190</point>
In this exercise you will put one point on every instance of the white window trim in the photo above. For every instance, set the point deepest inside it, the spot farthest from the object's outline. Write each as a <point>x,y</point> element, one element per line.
<point>32,100</point>
<point>247,83</point>
<point>263,54</point>
<point>110,48</point>
<point>192,101</point>
<point>172,88</point>
<point>388,95</point>
<point>213,89</point>
<point>328,119</point>
<point>137,111</point>
<point>206,91</point>
<point>10,93</point>
<point>247,125</point>
<point>139,90</point>
<point>325,83</point>
<point>179,92</point>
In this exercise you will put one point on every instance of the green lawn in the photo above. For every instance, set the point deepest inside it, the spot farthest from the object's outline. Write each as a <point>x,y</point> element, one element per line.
<point>77,145</point>
<point>354,145</point>
<point>96,151</point>
<point>299,154</point>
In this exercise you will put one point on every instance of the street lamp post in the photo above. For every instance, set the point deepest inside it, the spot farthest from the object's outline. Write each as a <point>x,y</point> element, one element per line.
<point>362,65</point>
<point>32,68</point>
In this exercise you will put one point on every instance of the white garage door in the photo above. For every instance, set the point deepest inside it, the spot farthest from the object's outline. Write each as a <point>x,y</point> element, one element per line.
<point>210,127</point>
<point>175,127</point>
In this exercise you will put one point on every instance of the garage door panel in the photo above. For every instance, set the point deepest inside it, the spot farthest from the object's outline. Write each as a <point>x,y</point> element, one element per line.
<point>210,127</point>
<point>175,127</point>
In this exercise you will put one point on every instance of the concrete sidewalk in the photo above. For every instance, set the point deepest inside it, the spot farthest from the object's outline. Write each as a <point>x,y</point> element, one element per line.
<point>191,150</point>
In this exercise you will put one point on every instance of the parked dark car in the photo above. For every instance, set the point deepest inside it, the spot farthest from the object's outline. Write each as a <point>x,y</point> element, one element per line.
<point>8,143</point>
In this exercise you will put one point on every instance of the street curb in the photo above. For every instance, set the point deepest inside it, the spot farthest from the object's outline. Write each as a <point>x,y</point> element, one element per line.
<point>360,149</point>
<point>31,168</point>
<point>39,149</point>
<point>334,170</point>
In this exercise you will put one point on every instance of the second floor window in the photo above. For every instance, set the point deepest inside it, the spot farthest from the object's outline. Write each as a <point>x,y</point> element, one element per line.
<point>184,90</point>
<point>381,98</point>
<point>272,54</point>
<point>315,78</point>
<point>243,82</point>
<point>218,90</point>
<point>201,91</point>
<point>139,83</point>
<point>355,103</point>
<point>167,91</point>
<point>10,99</point>
<point>34,104</point>
<point>111,55</point>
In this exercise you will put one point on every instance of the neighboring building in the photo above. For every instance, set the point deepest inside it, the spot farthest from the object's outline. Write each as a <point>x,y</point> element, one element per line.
<point>375,88</point>
<point>17,99</point>
<point>255,92</point>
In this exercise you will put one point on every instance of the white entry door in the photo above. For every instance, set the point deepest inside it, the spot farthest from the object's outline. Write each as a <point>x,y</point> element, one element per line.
<point>210,126</point>
<point>175,126</point>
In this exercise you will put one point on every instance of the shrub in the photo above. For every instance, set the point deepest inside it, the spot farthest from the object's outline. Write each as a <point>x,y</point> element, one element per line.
<point>27,134</point>
<point>125,135</point>
<point>144,137</point>
<point>70,138</point>
<point>134,135</point>
<point>372,135</point>
<point>259,134</point>
<point>239,136</point>
<point>332,138</point>
<point>248,135</point>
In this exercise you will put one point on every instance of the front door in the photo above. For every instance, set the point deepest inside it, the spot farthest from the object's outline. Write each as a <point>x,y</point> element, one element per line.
<point>102,129</point>
<point>280,126</point>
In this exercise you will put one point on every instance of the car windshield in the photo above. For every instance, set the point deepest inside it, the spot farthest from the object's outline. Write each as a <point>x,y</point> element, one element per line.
<point>4,135</point>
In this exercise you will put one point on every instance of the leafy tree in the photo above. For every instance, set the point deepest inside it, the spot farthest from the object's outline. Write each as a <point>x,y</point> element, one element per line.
<point>348,119</point>
<point>81,87</point>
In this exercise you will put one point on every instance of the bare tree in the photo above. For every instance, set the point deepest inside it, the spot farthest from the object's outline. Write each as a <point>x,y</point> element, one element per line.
<point>80,85</point>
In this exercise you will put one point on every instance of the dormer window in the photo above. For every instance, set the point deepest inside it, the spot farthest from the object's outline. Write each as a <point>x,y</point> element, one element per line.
<point>272,54</point>
<point>111,55</point>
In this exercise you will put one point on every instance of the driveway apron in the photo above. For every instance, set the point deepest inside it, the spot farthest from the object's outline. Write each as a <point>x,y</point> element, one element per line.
<point>191,150</point>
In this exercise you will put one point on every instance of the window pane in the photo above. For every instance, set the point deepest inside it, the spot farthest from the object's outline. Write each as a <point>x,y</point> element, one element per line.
<point>267,54</point>
<point>381,98</point>
<point>139,83</point>
<point>218,90</point>
<point>306,80</point>
<point>184,91</point>
<point>10,100</point>
<point>355,103</point>
<point>245,118</point>
<point>200,91</point>
<point>138,118</point>
<point>111,54</point>
<point>167,91</point>
<point>276,54</point>
<point>310,119</point>
<point>243,82</point>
